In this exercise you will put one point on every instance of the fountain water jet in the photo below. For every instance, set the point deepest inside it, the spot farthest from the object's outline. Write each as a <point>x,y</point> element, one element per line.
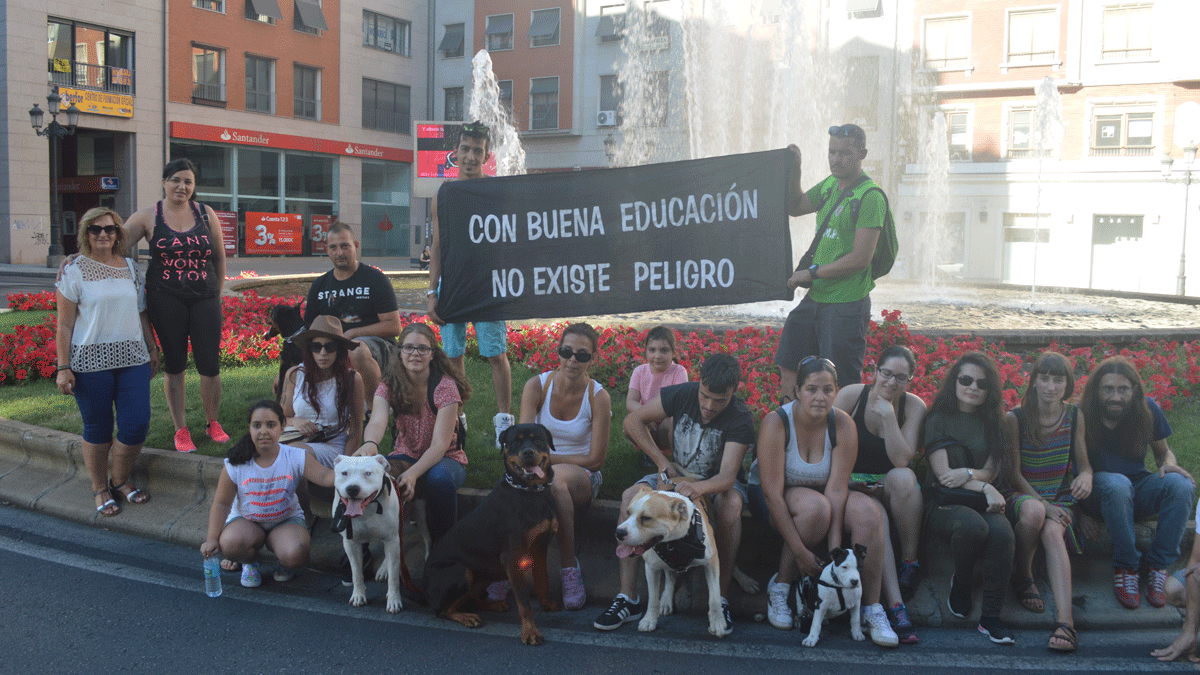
<point>486,108</point>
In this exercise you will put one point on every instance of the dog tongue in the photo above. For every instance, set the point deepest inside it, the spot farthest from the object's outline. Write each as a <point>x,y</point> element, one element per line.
<point>625,550</point>
<point>354,507</point>
<point>537,471</point>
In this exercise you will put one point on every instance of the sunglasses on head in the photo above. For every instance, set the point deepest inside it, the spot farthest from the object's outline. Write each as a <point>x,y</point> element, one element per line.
<point>475,128</point>
<point>97,229</point>
<point>565,353</point>
<point>327,347</point>
<point>846,131</point>
<point>967,380</point>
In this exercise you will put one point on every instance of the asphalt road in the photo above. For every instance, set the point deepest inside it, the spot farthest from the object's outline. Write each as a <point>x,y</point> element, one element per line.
<point>76,599</point>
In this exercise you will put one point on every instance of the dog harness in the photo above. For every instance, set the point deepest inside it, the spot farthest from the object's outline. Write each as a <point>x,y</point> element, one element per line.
<point>342,522</point>
<point>841,596</point>
<point>679,553</point>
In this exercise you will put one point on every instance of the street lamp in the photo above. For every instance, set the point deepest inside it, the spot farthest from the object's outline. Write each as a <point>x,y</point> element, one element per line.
<point>55,131</point>
<point>1189,156</point>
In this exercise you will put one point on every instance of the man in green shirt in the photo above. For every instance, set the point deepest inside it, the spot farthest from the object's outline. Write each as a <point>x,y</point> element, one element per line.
<point>831,321</point>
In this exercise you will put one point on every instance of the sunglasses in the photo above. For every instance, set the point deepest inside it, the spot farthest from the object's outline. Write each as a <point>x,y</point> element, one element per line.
<point>967,380</point>
<point>419,349</point>
<point>327,347</point>
<point>475,128</point>
<point>581,356</point>
<point>885,374</point>
<point>846,131</point>
<point>97,229</point>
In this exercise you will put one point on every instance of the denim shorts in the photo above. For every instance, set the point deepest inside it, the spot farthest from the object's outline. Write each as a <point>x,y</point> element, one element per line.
<point>492,336</point>
<point>268,526</point>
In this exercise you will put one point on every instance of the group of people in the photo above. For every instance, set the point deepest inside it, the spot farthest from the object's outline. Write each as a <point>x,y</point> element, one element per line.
<point>838,462</point>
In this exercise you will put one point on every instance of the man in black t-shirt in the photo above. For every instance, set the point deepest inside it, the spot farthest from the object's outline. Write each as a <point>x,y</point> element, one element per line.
<point>363,299</point>
<point>712,430</point>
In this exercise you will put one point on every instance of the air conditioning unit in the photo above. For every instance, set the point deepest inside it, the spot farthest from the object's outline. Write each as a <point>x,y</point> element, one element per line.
<point>606,118</point>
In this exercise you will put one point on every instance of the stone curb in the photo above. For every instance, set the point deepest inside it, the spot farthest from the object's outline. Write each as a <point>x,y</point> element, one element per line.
<point>43,470</point>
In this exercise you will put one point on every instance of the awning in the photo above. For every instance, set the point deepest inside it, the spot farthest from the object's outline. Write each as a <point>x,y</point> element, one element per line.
<point>611,26</point>
<point>862,5</point>
<point>310,14</point>
<point>452,42</point>
<point>266,8</point>
<point>500,25</point>
<point>544,85</point>
<point>544,26</point>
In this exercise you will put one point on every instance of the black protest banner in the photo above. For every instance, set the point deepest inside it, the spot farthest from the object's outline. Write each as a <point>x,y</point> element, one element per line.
<point>663,236</point>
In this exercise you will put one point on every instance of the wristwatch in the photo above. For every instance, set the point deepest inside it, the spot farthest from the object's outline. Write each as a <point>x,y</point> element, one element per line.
<point>430,293</point>
<point>970,474</point>
<point>812,271</point>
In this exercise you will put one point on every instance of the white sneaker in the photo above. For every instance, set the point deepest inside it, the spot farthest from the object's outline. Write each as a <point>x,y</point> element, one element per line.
<point>502,421</point>
<point>876,621</point>
<point>778,612</point>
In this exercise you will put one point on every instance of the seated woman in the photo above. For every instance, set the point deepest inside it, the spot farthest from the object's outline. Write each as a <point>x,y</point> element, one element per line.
<point>888,420</point>
<point>577,411</point>
<point>800,484</point>
<point>1047,451</point>
<point>428,454</point>
<point>964,441</point>
<point>323,397</point>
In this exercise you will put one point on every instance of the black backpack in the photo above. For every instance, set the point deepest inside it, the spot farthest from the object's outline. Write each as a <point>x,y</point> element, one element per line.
<point>460,431</point>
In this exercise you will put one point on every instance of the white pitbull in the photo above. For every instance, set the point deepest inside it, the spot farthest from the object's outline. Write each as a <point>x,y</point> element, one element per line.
<point>366,509</point>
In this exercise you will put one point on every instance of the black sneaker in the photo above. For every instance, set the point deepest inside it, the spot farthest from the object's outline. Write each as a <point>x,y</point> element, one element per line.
<point>995,630</point>
<point>344,568</point>
<point>728,616</point>
<point>620,612</point>
<point>960,599</point>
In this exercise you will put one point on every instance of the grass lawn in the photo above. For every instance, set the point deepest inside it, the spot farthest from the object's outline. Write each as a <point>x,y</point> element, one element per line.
<point>10,319</point>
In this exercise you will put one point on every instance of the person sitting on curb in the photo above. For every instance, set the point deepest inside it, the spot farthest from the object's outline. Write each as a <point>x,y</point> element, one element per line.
<point>712,430</point>
<point>1183,591</point>
<point>1122,422</point>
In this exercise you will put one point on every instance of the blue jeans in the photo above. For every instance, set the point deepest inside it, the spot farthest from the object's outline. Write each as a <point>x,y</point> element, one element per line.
<point>126,389</point>
<point>439,488</point>
<point>1121,500</point>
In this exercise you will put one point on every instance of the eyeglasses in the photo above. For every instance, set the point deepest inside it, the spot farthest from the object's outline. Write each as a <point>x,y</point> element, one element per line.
<point>97,229</point>
<point>885,374</point>
<point>581,356</point>
<point>967,380</point>
<point>327,347</point>
<point>418,349</point>
<point>847,131</point>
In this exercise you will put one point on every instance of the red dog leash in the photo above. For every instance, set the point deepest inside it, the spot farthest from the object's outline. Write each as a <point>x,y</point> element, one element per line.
<point>404,574</point>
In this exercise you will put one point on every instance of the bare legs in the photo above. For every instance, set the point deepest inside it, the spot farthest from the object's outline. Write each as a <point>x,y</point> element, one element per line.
<point>210,395</point>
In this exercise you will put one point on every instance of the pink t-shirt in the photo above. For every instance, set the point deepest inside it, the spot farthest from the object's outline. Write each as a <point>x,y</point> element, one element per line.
<point>647,384</point>
<point>414,433</point>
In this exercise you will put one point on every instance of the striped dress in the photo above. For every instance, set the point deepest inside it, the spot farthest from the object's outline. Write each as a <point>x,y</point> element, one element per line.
<point>1048,467</point>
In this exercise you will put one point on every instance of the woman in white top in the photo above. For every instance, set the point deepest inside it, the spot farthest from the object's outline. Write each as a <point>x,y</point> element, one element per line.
<point>106,356</point>
<point>577,411</point>
<point>804,479</point>
<point>323,397</point>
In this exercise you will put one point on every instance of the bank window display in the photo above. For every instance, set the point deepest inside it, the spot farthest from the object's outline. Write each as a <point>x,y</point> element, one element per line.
<point>89,57</point>
<point>385,209</point>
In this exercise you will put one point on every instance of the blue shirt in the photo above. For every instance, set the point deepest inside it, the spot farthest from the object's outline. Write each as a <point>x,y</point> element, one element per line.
<point>1108,456</point>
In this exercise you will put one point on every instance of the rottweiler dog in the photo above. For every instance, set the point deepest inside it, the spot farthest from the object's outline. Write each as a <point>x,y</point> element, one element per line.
<point>502,538</point>
<point>288,321</point>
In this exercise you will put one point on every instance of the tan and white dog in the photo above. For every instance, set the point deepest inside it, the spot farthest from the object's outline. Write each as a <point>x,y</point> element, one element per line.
<point>366,509</point>
<point>672,534</point>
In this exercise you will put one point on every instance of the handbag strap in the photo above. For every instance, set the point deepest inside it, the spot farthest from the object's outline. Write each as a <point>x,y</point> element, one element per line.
<point>812,248</point>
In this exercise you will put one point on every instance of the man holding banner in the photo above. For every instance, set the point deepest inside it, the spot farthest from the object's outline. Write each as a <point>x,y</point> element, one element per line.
<point>831,321</point>
<point>471,153</point>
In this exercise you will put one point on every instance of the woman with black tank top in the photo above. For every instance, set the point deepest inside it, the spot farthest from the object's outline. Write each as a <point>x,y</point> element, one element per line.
<point>888,419</point>
<point>183,293</point>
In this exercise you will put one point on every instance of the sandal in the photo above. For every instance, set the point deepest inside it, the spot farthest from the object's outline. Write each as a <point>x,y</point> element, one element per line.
<point>1064,632</point>
<point>134,496</point>
<point>1027,594</point>
<point>110,503</point>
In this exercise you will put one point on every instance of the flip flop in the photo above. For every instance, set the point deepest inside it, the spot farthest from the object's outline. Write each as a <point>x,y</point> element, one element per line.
<point>110,503</point>
<point>1065,632</point>
<point>1027,594</point>
<point>134,496</point>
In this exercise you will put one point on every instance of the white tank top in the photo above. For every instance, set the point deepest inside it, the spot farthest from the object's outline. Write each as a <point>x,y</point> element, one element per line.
<point>326,392</point>
<point>796,471</point>
<point>571,437</point>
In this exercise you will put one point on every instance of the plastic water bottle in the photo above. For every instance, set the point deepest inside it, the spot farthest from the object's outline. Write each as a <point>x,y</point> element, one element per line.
<point>212,576</point>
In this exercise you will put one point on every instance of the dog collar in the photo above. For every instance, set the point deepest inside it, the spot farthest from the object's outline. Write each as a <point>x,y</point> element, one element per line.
<point>678,554</point>
<point>528,488</point>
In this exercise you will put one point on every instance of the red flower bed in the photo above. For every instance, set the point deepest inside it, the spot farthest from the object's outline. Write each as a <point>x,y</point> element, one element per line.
<point>25,302</point>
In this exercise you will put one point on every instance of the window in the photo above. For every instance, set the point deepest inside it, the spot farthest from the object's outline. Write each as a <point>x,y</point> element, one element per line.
<point>947,40</point>
<point>1021,131</point>
<point>864,9</point>
<point>452,42</point>
<point>657,34</point>
<point>208,74</point>
<point>1122,134</point>
<point>263,11</point>
<point>543,103</point>
<point>454,104</point>
<point>543,29</point>
<point>307,104</point>
<point>862,94</point>
<point>1033,36</point>
<point>386,33</point>
<point>612,23</point>
<point>1126,32</point>
<point>958,136</point>
<point>385,106</point>
<point>610,102</point>
<point>506,100</point>
<point>499,33</point>
<point>260,84</point>
<point>89,57</point>
<point>308,17</point>
<point>214,5</point>
<point>658,87</point>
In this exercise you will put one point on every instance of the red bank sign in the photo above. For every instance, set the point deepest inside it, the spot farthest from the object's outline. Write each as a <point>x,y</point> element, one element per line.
<point>274,233</point>
<point>266,139</point>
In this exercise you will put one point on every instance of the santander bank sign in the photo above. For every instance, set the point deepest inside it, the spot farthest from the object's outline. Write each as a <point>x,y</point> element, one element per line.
<point>214,134</point>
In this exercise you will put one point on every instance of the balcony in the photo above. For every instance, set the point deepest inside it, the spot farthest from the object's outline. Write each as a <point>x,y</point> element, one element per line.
<point>79,75</point>
<point>208,92</point>
<point>1123,151</point>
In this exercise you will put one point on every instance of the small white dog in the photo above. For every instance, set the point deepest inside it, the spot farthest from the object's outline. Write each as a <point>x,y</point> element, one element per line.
<point>839,590</point>
<point>366,509</point>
